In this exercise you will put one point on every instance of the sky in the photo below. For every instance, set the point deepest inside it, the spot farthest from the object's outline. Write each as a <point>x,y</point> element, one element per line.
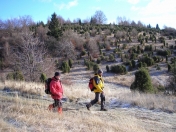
<point>162,12</point>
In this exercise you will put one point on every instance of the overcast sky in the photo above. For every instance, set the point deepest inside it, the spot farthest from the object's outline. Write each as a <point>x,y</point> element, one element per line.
<point>162,12</point>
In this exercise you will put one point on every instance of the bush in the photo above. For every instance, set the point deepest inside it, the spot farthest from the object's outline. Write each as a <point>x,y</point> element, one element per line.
<point>98,61</point>
<point>158,67</point>
<point>42,78</point>
<point>133,63</point>
<point>149,61</point>
<point>142,82</point>
<point>111,57</point>
<point>148,48</point>
<point>107,68</point>
<point>83,53</point>
<point>157,59</point>
<point>95,68</point>
<point>70,62</point>
<point>65,67</point>
<point>124,46</point>
<point>121,69</point>
<point>164,52</point>
<point>17,76</point>
<point>169,67</point>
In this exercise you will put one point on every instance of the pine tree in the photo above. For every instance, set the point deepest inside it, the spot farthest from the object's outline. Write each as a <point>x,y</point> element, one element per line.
<point>70,62</point>
<point>42,77</point>
<point>157,27</point>
<point>142,82</point>
<point>55,29</point>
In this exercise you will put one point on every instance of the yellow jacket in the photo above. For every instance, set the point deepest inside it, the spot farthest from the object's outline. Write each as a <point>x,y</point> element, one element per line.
<point>98,83</point>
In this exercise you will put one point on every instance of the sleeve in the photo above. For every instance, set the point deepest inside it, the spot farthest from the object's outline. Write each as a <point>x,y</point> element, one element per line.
<point>96,83</point>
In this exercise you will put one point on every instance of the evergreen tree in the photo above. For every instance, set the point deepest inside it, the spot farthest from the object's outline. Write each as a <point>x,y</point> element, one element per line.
<point>142,82</point>
<point>65,67</point>
<point>107,68</point>
<point>42,77</point>
<point>70,62</point>
<point>157,27</point>
<point>55,29</point>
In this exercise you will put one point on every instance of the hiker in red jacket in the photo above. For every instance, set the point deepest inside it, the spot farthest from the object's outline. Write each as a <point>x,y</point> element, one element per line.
<point>56,92</point>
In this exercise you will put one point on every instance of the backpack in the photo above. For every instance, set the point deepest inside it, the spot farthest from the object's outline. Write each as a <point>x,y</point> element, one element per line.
<point>47,86</point>
<point>91,86</point>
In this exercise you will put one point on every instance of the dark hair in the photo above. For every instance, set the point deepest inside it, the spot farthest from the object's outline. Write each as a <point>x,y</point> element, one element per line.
<point>100,71</point>
<point>57,74</point>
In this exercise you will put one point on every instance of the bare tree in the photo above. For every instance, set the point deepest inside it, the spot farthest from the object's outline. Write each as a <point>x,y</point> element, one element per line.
<point>100,17</point>
<point>76,40</point>
<point>123,21</point>
<point>61,20</point>
<point>139,24</point>
<point>93,48</point>
<point>65,48</point>
<point>29,56</point>
<point>134,33</point>
<point>41,32</point>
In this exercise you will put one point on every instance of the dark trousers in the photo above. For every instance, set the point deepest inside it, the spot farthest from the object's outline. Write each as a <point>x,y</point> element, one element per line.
<point>97,95</point>
<point>57,103</point>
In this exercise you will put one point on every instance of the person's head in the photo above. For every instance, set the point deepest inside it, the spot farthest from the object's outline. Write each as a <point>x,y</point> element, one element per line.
<point>57,75</point>
<point>100,72</point>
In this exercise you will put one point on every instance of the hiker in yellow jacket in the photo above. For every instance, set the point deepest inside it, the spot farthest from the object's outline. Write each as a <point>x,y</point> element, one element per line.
<point>98,83</point>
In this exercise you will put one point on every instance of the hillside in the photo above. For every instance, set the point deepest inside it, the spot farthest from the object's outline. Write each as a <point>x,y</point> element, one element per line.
<point>127,112</point>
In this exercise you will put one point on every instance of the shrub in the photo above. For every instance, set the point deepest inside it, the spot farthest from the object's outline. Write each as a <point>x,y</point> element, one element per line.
<point>169,67</point>
<point>133,63</point>
<point>42,78</point>
<point>70,62</point>
<point>18,76</point>
<point>142,82</point>
<point>158,67</point>
<point>149,61</point>
<point>121,69</point>
<point>148,48</point>
<point>83,53</point>
<point>95,68</point>
<point>98,61</point>
<point>107,68</point>
<point>157,59</point>
<point>164,52</point>
<point>133,56</point>
<point>111,57</point>
<point>65,67</point>
<point>124,46</point>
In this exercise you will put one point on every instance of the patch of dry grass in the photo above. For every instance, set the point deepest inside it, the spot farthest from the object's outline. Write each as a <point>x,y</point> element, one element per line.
<point>20,114</point>
<point>80,90</point>
<point>27,114</point>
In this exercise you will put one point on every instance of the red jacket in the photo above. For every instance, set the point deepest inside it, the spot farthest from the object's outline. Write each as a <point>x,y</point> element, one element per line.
<point>56,89</point>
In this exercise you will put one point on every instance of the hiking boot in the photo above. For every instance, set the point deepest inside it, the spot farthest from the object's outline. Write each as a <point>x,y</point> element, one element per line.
<point>103,109</point>
<point>88,106</point>
<point>50,107</point>
<point>60,110</point>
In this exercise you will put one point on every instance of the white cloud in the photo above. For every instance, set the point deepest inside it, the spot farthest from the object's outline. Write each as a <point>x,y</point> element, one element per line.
<point>164,20</point>
<point>157,7</point>
<point>157,11</point>
<point>66,6</point>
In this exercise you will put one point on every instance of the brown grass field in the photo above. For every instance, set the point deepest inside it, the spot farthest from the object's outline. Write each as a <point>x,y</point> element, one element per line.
<point>22,112</point>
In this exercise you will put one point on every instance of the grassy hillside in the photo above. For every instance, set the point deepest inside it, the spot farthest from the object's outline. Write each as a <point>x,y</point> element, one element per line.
<point>27,110</point>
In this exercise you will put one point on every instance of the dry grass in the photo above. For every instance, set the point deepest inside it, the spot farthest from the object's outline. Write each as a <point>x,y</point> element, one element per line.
<point>20,114</point>
<point>81,91</point>
<point>27,114</point>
